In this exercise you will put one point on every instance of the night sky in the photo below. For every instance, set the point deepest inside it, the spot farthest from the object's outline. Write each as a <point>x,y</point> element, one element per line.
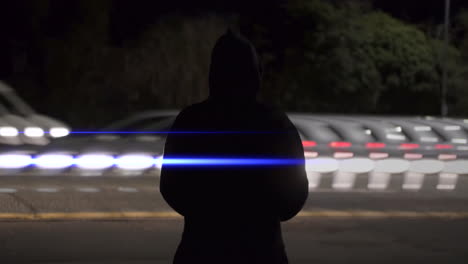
<point>28,27</point>
<point>18,18</point>
<point>129,17</point>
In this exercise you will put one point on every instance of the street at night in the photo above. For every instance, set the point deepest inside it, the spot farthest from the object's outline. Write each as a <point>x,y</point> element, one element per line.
<point>124,220</point>
<point>234,132</point>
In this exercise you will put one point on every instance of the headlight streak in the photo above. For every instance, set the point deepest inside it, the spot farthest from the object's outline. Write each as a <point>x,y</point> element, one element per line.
<point>99,161</point>
<point>33,132</point>
<point>175,132</point>
<point>228,161</point>
<point>57,132</point>
<point>14,161</point>
<point>54,161</point>
<point>94,161</point>
<point>344,178</point>
<point>134,162</point>
<point>8,131</point>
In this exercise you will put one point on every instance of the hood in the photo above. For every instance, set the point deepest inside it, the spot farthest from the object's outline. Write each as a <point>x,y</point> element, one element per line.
<point>235,69</point>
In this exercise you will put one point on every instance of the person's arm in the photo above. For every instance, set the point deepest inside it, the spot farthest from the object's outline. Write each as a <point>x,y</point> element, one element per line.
<point>173,185</point>
<point>291,184</point>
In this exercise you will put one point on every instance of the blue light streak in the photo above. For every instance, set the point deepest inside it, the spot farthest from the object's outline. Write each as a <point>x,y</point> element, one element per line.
<point>167,132</point>
<point>230,162</point>
<point>66,161</point>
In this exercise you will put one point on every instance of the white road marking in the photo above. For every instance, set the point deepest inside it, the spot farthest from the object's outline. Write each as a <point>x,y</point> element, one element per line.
<point>127,189</point>
<point>360,190</point>
<point>47,190</point>
<point>413,181</point>
<point>88,189</point>
<point>343,180</point>
<point>7,190</point>
<point>378,180</point>
<point>171,214</point>
<point>314,179</point>
<point>447,181</point>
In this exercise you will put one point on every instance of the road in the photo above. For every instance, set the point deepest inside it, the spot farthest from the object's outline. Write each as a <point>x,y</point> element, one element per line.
<point>84,220</point>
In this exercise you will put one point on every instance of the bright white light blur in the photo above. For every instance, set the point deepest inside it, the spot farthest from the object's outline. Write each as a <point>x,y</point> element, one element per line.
<point>447,181</point>
<point>14,161</point>
<point>456,167</point>
<point>314,179</point>
<point>134,162</point>
<point>94,161</point>
<point>452,128</point>
<point>392,166</point>
<point>447,156</point>
<point>422,128</point>
<point>8,131</point>
<point>53,161</point>
<point>343,155</point>
<point>426,166</point>
<point>368,132</point>
<point>356,165</point>
<point>413,181</point>
<point>429,139</point>
<point>459,140</point>
<point>309,154</point>
<point>412,156</point>
<point>378,180</point>
<point>378,155</point>
<point>343,180</point>
<point>158,162</point>
<point>321,165</point>
<point>59,132</point>
<point>395,137</point>
<point>33,132</point>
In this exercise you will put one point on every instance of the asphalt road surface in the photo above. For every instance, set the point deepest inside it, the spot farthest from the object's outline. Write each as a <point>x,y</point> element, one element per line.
<point>125,220</point>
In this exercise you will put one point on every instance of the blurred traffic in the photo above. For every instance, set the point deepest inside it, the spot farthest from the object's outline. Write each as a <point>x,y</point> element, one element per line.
<point>388,151</point>
<point>20,124</point>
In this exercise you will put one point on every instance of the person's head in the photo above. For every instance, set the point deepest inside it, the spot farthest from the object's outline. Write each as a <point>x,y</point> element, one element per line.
<point>235,69</point>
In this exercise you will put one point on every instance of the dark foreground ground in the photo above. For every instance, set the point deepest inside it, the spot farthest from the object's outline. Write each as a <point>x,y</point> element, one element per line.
<point>308,240</point>
<point>125,220</point>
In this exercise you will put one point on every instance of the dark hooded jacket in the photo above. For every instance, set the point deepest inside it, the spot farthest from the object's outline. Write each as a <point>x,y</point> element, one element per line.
<point>232,213</point>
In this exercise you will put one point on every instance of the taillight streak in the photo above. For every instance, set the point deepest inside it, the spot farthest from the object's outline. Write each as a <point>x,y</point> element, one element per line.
<point>309,143</point>
<point>443,146</point>
<point>340,144</point>
<point>375,145</point>
<point>409,146</point>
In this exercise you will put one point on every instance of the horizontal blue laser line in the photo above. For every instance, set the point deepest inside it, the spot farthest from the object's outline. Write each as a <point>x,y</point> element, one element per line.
<point>148,162</point>
<point>229,162</point>
<point>173,132</point>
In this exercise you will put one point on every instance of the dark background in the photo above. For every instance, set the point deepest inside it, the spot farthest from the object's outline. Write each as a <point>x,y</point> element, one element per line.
<point>91,62</point>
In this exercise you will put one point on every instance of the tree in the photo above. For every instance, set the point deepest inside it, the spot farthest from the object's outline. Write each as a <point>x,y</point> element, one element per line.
<point>345,58</point>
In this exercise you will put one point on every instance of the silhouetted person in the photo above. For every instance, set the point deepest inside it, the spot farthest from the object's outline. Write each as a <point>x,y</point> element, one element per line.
<point>233,213</point>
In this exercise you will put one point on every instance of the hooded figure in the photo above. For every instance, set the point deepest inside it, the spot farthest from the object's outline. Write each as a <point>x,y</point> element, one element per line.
<point>233,214</point>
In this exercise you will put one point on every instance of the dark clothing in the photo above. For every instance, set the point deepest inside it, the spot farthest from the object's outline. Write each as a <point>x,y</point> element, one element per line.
<point>233,213</point>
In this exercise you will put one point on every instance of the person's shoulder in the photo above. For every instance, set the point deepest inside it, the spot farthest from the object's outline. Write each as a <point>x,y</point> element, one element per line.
<point>274,114</point>
<point>192,110</point>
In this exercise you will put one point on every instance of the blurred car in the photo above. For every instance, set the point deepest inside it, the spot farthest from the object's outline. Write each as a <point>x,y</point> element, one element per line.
<point>329,135</point>
<point>334,136</point>
<point>34,128</point>
<point>128,145</point>
<point>134,144</point>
